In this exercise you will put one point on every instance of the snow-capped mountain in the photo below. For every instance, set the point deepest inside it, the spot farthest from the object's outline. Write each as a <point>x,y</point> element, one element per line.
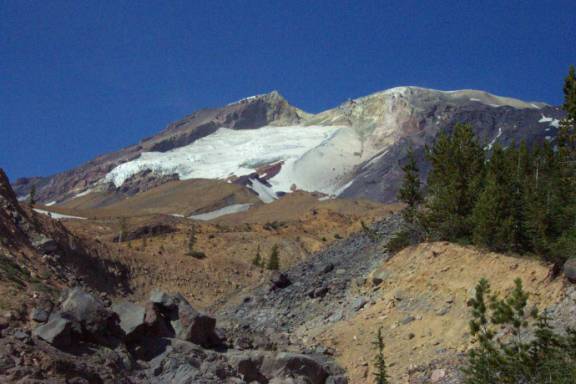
<point>272,147</point>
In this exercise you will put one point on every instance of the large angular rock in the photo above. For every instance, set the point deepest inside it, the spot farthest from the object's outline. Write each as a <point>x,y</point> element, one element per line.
<point>288,364</point>
<point>188,323</point>
<point>81,305</point>
<point>279,280</point>
<point>132,317</point>
<point>92,320</point>
<point>57,331</point>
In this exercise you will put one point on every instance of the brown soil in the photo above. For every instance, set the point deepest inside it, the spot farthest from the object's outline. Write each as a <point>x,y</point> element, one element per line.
<point>431,282</point>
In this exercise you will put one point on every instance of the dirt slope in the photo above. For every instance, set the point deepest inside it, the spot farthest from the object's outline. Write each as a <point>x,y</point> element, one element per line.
<point>421,305</point>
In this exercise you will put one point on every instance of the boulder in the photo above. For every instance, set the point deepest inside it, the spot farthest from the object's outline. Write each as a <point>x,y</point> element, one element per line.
<point>188,323</point>
<point>295,365</point>
<point>92,320</point>
<point>132,317</point>
<point>570,270</point>
<point>39,315</point>
<point>57,331</point>
<point>279,280</point>
<point>81,305</point>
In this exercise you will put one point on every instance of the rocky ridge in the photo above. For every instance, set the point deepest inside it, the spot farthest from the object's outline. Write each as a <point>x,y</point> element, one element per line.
<point>364,156</point>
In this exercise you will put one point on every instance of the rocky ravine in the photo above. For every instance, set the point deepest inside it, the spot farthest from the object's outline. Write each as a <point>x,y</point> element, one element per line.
<point>85,340</point>
<point>91,336</point>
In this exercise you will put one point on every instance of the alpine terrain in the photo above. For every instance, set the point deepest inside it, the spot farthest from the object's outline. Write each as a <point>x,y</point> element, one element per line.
<point>408,236</point>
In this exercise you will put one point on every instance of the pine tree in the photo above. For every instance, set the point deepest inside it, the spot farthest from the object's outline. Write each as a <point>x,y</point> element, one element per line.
<point>380,374</point>
<point>274,260</point>
<point>454,183</point>
<point>257,261</point>
<point>499,217</point>
<point>502,352</point>
<point>32,196</point>
<point>409,192</point>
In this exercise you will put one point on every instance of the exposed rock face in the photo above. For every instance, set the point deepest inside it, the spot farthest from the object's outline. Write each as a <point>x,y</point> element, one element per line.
<point>36,251</point>
<point>380,127</point>
<point>267,109</point>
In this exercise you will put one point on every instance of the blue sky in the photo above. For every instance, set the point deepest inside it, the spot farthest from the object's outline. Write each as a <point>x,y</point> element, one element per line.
<point>81,78</point>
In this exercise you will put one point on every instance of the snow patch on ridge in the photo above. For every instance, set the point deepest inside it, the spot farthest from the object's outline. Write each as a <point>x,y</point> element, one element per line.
<point>228,210</point>
<point>58,216</point>
<point>553,122</point>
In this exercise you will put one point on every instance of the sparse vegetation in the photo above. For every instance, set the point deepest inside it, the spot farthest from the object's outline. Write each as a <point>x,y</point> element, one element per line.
<point>514,345</point>
<point>274,260</point>
<point>257,261</point>
<point>514,199</point>
<point>410,192</point>
<point>32,196</point>
<point>398,241</point>
<point>380,374</point>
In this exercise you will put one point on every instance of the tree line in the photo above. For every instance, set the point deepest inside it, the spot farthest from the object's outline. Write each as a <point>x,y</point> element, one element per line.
<point>518,198</point>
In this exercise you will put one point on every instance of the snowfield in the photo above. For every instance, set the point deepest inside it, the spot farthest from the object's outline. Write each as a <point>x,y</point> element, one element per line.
<point>228,210</point>
<point>307,152</point>
<point>58,216</point>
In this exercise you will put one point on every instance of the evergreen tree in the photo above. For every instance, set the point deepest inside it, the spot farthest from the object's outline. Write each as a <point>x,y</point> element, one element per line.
<point>381,375</point>
<point>454,183</point>
<point>192,241</point>
<point>499,214</point>
<point>32,196</point>
<point>274,260</point>
<point>505,353</point>
<point>409,192</point>
<point>257,261</point>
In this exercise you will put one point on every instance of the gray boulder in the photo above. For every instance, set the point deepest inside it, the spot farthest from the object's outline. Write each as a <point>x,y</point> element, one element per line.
<point>81,305</point>
<point>188,323</point>
<point>132,316</point>
<point>279,280</point>
<point>295,365</point>
<point>57,331</point>
<point>570,270</point>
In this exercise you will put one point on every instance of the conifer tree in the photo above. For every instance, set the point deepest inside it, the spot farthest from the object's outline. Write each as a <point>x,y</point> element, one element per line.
<point>381,374</point>
<point>454,183</point>
<point>274,260</point>
<point>499,217</point>
<point>409,192</point>
<point>504,352</point>
<point>257,261</point>
<point>32,196</point>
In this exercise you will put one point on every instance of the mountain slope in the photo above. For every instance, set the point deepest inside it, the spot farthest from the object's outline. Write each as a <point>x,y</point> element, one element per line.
<point>271,147</point>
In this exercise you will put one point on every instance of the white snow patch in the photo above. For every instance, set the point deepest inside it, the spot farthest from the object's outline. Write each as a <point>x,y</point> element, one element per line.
<point>227,153</point>
<point>265,193</point>
<point>491,144</point>
<point>58,216</point>
<point>50,203</point>
<point>535,106</point>
<point>324,198</point>
<point>552,122</point>
<point>474,99</point>
<point>228,210</point>
<point>23,198</point>
<point>82,193</point>
<point>246,99</point>
<point>344,187</point>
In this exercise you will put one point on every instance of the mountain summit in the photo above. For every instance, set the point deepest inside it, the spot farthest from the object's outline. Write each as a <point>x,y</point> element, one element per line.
<point>352,150</point>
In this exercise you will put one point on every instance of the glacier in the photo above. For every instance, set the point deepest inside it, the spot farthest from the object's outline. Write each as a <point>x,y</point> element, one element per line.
<point>227,153</point>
